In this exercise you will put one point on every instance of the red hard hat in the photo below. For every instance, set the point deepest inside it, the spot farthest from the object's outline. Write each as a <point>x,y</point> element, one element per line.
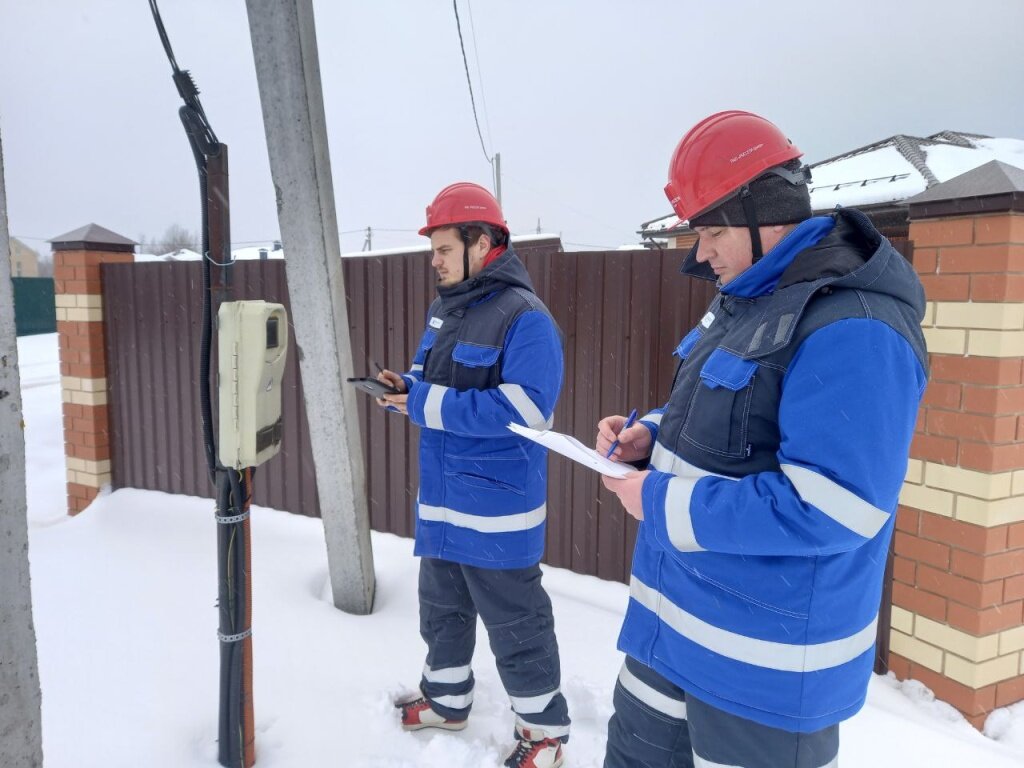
<point>461,203</point>
<point>719,155</point>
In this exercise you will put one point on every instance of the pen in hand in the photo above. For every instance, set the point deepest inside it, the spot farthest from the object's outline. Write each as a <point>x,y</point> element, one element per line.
<point>627,425</point>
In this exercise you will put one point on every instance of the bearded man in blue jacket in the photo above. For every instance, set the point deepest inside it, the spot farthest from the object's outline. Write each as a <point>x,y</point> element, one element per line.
<point>769,498</point>
<point>491,355</point>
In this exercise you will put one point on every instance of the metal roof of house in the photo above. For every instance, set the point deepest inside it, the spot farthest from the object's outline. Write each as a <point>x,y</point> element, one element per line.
<point>890,171</point>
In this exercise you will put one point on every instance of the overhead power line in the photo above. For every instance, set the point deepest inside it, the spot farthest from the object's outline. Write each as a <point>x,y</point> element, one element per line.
<point>479,71</point>
<point>469,81</point>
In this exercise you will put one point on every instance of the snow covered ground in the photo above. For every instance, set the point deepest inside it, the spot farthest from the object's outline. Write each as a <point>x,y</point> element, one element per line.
<point>124,593</point>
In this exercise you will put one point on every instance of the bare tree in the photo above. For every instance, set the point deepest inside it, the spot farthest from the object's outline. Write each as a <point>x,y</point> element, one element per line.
<point>175,238</point>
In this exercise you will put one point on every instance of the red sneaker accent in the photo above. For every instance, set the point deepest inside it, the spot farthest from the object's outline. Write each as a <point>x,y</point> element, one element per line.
<point>544,753</point>
<point>417,714</point>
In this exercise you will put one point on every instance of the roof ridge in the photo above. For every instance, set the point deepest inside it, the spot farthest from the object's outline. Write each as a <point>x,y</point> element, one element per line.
<point>910,148</point>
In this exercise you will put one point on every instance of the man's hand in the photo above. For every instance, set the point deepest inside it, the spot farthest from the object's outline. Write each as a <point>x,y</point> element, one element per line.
<point>628,489</point>
<point>395,402</point>
<point>634,443</point>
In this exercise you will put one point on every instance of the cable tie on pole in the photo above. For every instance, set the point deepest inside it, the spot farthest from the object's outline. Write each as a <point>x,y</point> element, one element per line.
<point>234,638</point>
<point>232,518</point>
<point>206,255</point>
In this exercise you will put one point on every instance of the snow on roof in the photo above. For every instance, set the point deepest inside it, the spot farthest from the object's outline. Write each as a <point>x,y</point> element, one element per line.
<point>891,170</point>
<point>903,166</point>
<point>182,254</point>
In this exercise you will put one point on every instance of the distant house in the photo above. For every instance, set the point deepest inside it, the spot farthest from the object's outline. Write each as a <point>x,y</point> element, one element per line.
<point>24,260</point>
<point>879,178</point>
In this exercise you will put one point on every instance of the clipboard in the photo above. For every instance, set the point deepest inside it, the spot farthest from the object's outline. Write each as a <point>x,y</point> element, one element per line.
<point>571,448</point>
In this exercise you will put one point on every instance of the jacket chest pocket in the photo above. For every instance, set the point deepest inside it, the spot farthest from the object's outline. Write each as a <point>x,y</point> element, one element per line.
<point>419,360</point>
<point>474,365</point>
<point>718,412</point>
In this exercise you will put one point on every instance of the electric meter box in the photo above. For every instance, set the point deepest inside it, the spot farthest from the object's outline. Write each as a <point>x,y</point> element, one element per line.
<point>252,338</point>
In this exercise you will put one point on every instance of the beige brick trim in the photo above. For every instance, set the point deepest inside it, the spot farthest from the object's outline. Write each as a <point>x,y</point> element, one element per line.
<point>1018,482</point>
<point>65,300</point>
<point>976,649</point>
<point>1011,640</point>
<point>78,384</point>
<point>928,499</point>
<point>62,313</point>
<point>92,300</point>
<point>946,341</point>
<point>89,479</point>
<point>990,513</point>
<point>973,661</point>
<point>982,674</point>
<point>983,485</point>
<point>89,466</point>
<point>915,471</point>
<point>87,398</point>
<point>995,344</point>
<point>992,316</point>
<point>929,314</point>
<point>84,314</point>
<point>913,649</point>
<point>902,620</point>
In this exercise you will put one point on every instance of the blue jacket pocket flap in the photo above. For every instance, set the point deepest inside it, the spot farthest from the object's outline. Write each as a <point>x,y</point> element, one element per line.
<point>475,355</point>
<point>429,336</point>
<point>689,341</point>
<point>725,369</point>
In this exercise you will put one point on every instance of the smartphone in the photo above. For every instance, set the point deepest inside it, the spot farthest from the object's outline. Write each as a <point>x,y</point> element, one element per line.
<point>373,387</point>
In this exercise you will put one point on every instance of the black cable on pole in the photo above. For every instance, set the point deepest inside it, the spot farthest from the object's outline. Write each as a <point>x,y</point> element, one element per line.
<point>469,82</point>
<point>236,728</point>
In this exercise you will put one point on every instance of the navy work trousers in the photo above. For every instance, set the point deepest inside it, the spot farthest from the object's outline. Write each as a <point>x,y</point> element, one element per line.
<point>516,612</point>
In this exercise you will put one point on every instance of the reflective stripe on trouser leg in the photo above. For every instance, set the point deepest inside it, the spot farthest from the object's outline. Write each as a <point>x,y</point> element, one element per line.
<point>649,726</point>
<point>448,626</point>
<point>723,740</point>
<point>517,613</point>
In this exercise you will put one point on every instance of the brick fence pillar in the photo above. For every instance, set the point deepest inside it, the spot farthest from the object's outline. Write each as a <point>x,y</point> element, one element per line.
<point>958,591</point>
<point>77,257</point>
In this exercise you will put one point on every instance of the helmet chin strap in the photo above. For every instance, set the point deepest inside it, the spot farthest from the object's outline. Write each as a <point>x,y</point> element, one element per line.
<point>464,236</point>
<point>750,211</point>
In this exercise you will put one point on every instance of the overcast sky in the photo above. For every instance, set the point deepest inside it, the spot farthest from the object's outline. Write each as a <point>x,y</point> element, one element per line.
<point>584,99</point>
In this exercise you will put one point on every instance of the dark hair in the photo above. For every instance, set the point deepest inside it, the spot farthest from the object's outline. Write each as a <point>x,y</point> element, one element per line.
<point>472,233</point>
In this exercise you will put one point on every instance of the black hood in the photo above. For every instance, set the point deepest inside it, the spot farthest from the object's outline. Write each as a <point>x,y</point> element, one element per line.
<point>853,255</point>
<point>506,271</point>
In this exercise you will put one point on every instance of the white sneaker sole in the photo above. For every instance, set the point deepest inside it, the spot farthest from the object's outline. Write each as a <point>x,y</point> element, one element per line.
<point>443,726</point>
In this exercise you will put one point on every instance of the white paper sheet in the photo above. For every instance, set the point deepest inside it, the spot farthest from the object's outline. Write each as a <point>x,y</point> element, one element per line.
<point>571,448</point>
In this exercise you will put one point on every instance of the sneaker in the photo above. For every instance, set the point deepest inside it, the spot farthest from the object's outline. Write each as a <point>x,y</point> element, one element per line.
<point>538,752</point>
<point>417,714</point>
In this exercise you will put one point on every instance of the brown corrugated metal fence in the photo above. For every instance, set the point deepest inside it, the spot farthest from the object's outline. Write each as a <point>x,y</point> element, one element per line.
<point>622,313</point>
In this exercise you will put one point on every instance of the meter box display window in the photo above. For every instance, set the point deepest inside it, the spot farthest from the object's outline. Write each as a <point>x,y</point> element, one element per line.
<point>252,337</point>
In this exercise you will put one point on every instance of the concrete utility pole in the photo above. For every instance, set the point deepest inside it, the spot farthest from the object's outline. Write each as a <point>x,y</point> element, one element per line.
<point>21,738</point>
<point>288,72</point>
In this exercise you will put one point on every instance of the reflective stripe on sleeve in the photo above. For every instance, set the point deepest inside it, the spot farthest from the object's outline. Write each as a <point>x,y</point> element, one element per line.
<point>432,407</point>
<point>525,407</point>
<point>846,508</point>
<point>677,514</point>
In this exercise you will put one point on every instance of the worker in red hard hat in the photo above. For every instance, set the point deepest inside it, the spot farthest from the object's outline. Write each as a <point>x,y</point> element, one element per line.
<point>490,356</point>
<point>770,478</point>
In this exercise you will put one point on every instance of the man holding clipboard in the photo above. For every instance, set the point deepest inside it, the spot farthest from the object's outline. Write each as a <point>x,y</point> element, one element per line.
<point>491,354</point>
<point>772,473</point>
